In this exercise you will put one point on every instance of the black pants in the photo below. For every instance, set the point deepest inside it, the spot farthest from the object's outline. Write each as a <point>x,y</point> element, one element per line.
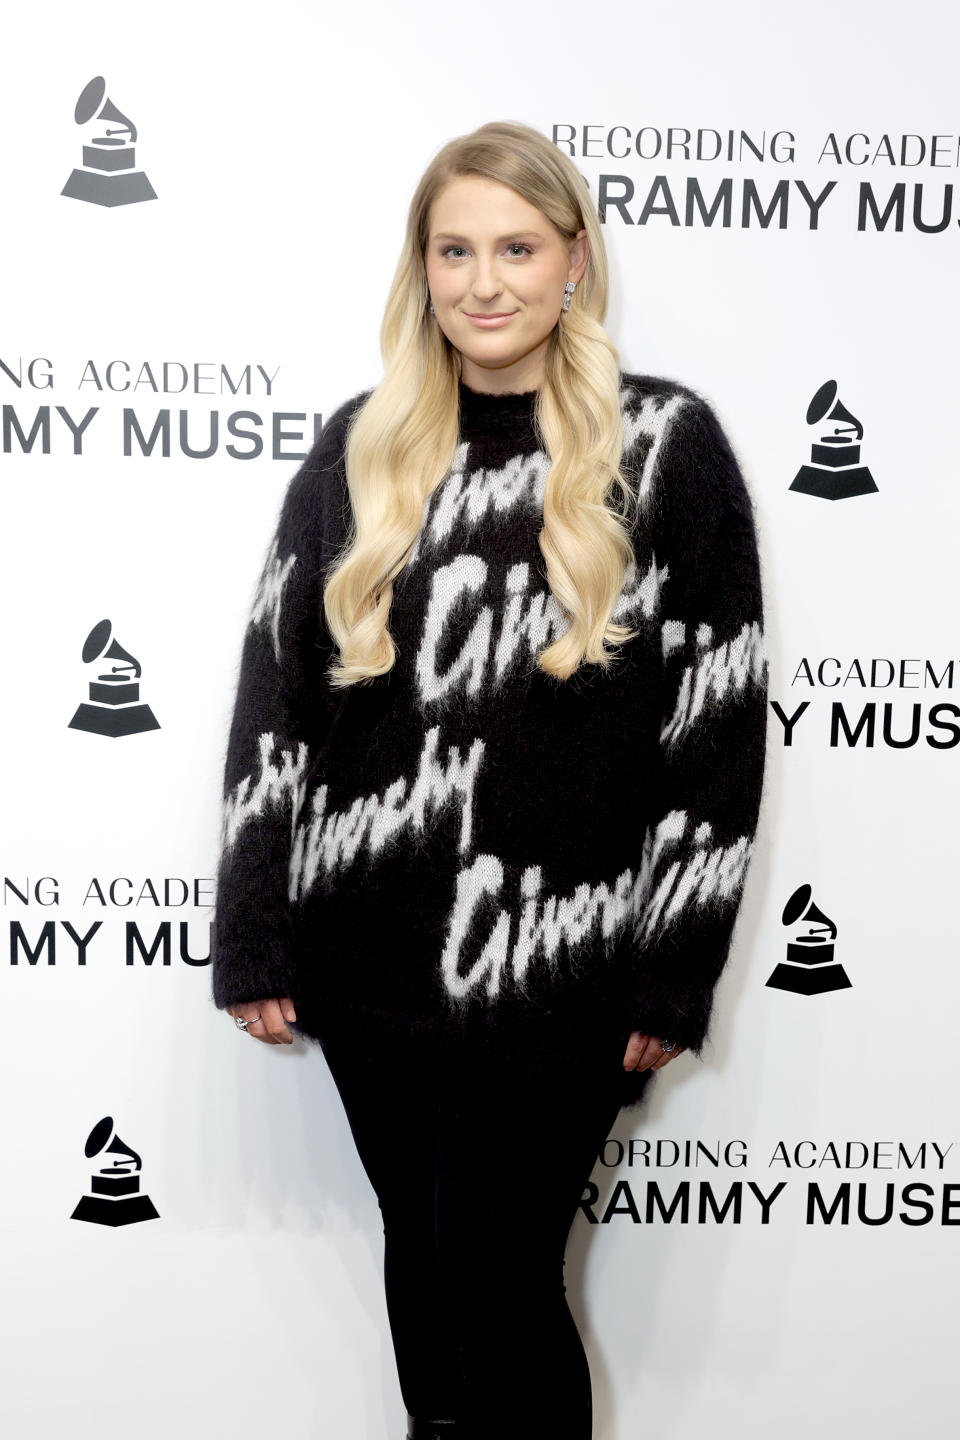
<point>478,1168</point>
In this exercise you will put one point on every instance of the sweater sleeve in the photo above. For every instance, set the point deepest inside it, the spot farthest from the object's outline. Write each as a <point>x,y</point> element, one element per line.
<point>708,781</point>
<point>278,716</point>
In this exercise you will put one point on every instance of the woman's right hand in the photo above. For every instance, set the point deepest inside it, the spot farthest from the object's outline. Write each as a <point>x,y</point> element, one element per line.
<point>266,1019</point>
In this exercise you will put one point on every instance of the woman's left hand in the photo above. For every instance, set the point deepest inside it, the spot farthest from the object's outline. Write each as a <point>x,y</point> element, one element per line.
<point>644,1052</point>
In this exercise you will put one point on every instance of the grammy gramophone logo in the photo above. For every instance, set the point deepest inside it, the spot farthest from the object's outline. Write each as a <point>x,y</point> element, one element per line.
<point>115,1197</point>
<point>834,472</point>
<point>108,175</point>
<point>114,707</point>
<point>810,967</point>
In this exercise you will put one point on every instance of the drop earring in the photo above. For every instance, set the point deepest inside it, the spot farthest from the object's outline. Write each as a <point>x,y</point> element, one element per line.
<point>569,288</point>
<point>432,311</point>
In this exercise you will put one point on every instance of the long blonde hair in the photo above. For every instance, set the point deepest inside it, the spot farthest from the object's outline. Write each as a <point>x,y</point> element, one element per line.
<point>401,442</point>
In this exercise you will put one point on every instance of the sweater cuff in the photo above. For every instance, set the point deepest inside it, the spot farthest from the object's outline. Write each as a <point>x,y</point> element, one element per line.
<point>252,953</point>
<point>670,1025</point>
<point>675,1001</point>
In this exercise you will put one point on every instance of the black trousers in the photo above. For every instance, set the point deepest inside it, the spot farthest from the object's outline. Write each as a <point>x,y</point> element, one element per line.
<point>478,1167</point>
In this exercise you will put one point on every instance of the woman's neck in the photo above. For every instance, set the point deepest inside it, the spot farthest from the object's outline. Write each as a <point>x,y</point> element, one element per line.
<point>519,379</point>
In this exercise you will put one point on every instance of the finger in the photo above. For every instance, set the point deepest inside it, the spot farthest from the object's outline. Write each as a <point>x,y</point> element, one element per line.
<point>635,1048</point>
<point>272,1019</point>
<point>251,1011</point>
<point>246,1011</point>
<point>653,1054</point>
<point>287,1010</point>
<point>666,1056</point>
<point>253,1014</point>
<point>258,1030</point>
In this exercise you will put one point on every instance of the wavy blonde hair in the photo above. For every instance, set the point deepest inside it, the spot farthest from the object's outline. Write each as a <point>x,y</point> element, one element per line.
<point>401,442</point>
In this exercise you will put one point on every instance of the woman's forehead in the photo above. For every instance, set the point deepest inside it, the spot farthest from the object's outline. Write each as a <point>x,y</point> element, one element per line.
<point>484,205</point>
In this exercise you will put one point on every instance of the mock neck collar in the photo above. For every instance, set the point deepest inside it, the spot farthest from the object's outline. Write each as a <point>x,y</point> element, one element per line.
<point>510,405</point>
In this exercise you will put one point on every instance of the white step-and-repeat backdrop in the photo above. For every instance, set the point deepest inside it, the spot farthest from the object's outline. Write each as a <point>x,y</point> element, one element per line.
<point>770,1246</point>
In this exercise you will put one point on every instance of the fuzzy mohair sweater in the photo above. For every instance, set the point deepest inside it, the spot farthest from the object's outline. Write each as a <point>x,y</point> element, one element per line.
<point>466,849</point>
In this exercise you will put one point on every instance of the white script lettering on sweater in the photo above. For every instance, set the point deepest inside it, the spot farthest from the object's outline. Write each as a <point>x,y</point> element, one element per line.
<point>276,784</point>
<point>465,498</point>
<point>373,820</point>
<point>651,420</point>
<point>540,927</point>
<point>525,625</point>
<point>529,618</point>
<point>663,888</point>
<point>269,596</point>
<point>706,874</point>
<point>666,885</point>
<point>718,671</point>
<point>702,875</point>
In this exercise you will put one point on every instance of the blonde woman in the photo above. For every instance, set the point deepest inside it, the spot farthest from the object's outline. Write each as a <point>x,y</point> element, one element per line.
<point>494,770</point>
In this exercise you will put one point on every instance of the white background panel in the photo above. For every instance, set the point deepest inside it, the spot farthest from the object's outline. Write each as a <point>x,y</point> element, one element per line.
<point>283,145</point>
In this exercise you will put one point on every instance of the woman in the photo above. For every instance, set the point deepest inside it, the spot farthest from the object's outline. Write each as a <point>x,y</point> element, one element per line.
<point>494,770</point>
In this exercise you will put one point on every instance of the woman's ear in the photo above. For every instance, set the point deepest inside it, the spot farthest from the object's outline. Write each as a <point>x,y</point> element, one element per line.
<point>579,255</point>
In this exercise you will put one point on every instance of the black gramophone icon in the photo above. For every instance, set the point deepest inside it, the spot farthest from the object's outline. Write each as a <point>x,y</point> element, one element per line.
<point>114,707</point>
<point>834,472</point>
<point>108,176</point>
<point>809,968</point>
<point>115,1197</point>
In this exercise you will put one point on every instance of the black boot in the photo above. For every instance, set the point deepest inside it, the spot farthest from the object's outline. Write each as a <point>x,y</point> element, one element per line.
<point>433,1429</point>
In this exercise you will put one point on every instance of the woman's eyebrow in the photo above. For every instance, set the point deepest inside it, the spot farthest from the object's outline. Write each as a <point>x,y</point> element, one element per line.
<point>513,235</point>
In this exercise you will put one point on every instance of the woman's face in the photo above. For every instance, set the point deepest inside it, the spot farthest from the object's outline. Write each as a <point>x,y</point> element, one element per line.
<point>497,269</point>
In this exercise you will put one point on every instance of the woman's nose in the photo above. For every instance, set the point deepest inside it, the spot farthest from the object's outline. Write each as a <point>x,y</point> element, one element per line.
<point>486,281</point>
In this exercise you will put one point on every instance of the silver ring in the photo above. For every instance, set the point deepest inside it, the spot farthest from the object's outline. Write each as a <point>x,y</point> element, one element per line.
<point>242,1024</point>
<point>664,1050</point>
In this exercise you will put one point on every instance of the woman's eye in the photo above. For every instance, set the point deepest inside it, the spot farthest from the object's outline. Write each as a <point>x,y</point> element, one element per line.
<point>516,249</point>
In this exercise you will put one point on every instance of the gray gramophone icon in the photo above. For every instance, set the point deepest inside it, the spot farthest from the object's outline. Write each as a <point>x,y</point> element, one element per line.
<point>114,708</point>
<point>108,176</point>
<point>115,1197</point>
<point>834,472</point>
<point>809,968</point>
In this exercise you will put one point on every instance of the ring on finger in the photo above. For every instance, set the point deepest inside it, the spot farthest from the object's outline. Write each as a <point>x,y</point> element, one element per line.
<point>242,1024</point>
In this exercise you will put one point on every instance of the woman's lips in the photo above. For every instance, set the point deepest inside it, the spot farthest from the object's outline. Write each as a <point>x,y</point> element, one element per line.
<point>489,322</point>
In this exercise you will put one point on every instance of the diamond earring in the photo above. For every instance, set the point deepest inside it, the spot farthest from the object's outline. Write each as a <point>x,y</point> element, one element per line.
<point>569,288</point>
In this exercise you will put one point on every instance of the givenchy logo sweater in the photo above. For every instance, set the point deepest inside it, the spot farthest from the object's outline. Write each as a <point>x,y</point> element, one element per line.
<point>466,846</point>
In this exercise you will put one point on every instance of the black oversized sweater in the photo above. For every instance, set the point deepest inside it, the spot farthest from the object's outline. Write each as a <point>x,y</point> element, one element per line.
<point>466,849</point>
